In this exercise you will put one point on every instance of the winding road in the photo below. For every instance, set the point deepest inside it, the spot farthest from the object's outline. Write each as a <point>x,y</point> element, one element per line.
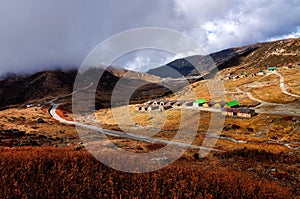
<point>282,86</point>
<point>282,107</point>
<point>156,140</point>
<point>118,133</point>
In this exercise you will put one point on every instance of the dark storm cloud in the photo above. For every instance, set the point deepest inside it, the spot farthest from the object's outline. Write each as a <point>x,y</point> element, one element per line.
<point>37,35</point>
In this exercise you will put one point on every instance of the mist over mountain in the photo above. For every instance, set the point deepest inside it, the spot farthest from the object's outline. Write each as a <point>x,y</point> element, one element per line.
<point>38,36</point>
<point>43,86</point>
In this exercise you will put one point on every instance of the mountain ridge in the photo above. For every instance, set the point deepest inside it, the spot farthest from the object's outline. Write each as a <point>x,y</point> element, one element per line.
<point>195,65</point>
<point>42,86</point>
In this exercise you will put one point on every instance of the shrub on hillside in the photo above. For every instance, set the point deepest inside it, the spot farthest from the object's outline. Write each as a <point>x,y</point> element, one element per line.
<point>48,172</point>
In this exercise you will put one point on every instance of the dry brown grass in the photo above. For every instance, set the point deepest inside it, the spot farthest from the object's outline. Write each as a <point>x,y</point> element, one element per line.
<point>257,130</point>
<point>64,173</point>
<point>292,80</point>
<point>25,119</point>
<point>271,92</point>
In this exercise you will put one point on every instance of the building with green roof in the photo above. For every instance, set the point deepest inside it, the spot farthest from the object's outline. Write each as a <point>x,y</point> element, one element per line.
<point>273,68</point>
<point>233,103</point>
<point>199,102</point>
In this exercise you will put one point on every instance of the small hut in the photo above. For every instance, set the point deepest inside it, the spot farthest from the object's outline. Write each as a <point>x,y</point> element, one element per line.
<point>227,78</point>
<point>188,103</point>
<point>179,103</point>
<point>236,77</point>
<point>239,112</point>
<point>219,105</point>
<point>172,102</point>
<point>138,107</point>
<point>208,104</point>
<point>166,107</point>
<point>163,102</point>
<point>144,108</point>
<point>244,74</point>
<point>246,113</point>
<point>163,108</point>
<point>231,104</point>
<point>199,102</point>
<point>155,103</point>
<point>261,72</point>
<point>227,112</point>
<point>273,68</point>
<point>149,102</point>
<point>152,108</point>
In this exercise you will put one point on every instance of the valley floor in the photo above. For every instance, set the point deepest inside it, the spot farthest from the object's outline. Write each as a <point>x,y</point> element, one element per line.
<point>256,157</point>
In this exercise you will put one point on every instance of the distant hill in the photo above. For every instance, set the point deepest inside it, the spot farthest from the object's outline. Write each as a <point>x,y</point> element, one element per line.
<point>17,90</point>
<point>276,53</point>
<point>43,86</point>
<point>258,55</point>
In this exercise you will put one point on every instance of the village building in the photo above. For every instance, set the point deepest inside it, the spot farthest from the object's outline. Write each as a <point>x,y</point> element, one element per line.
<point>155,103</point>
<point>261,72</point>
<point>163,102</point>
<point>138,108</point>
<point>208,104</point>
<point>244,74</point>
<point>188,103</point>
<point>163,108</point>
<point>227,78</point>
<point>238,112</point>
<point>172,102</point>
<point>246,113</point>
<point>273,68</point>
<point>199,102</point>
<point>149,102</point>
<point>231,104</point>
<point>227,112</point>
<point>179,103</point>
<point>152,108</point>
<point>236,77</point>
<point>166,107</point>
<point>228,75</point>
<point>144,108</point>
<point>219,105</point>
<point>205,105</point>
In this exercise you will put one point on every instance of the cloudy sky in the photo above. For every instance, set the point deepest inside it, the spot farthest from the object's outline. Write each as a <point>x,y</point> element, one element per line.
<point>46,34</point>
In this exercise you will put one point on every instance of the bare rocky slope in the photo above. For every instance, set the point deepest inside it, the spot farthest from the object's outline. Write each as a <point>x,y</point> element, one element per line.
<point>255,56</point>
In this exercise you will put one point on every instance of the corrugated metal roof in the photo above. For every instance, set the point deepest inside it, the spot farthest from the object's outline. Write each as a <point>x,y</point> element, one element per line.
<point>232,103</point>
<point>200,101</point>
<point>238,110</point>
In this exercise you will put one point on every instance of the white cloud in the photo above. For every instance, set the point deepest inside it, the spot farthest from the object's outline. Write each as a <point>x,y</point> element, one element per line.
<point>287,36</point>
<point>139,63</point>
<point>223,24</point>
<point>144,59</point>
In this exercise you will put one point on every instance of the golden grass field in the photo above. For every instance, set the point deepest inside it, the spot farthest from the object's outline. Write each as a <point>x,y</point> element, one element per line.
<point>261,161</point>
<point>258,129</point>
